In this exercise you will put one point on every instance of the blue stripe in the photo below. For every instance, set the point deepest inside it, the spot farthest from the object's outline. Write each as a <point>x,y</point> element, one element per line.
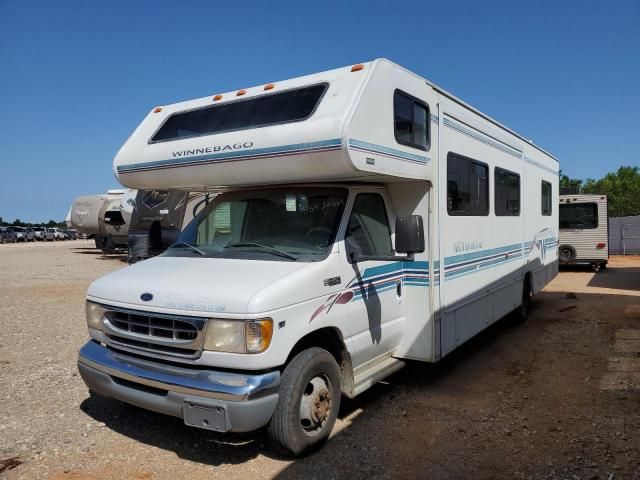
<point>395,267</point>
<point>231,156</point>
<point>457,274</point>
<point>481,254</point>
<point>391,152</point>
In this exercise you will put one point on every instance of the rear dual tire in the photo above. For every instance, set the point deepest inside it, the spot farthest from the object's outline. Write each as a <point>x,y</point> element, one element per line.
<point>308,403</point>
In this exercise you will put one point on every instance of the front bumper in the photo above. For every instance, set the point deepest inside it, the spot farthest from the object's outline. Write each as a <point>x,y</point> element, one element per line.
<point>210,399</point>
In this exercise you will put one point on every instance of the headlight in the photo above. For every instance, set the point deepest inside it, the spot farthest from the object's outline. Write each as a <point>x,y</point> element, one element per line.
<point>238,336</point>
<point>94,315</point>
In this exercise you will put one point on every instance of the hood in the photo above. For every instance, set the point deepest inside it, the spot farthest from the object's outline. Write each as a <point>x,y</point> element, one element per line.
<point>194,284</point>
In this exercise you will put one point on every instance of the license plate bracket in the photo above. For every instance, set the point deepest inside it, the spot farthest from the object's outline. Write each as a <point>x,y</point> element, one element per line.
<point>210,418</point>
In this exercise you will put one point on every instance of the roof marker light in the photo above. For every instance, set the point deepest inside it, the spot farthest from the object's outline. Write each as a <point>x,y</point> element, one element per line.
<point>240,92</point>
<point>157,110</point>
<point>357,68</point>
<point>217,97</point>
<point>269,86</point>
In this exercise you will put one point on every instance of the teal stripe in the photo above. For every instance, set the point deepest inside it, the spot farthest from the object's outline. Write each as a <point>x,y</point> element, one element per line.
<point>481,254</point>
<point>464,273</point>
<point>389,151</point>
<point>239,155</point>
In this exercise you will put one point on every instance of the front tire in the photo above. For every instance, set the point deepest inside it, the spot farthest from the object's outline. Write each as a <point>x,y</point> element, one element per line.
<point>308,403</point>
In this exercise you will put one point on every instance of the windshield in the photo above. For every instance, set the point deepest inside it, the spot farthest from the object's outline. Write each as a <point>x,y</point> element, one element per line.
<point>284,224</point>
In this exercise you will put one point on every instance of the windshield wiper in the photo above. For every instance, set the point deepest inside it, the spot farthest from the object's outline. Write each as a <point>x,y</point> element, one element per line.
<point>185,244</point>
<point>269,248</point>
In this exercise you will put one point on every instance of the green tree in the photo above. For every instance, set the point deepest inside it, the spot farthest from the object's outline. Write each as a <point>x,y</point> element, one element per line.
<point>17,222</point>
<point>622,189</point>
<point>52,223</point>
<point>565,182</point>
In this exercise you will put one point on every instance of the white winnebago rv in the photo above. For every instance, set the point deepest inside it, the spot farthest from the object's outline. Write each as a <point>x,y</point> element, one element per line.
<point>584,230</point>
<point>365,217</point>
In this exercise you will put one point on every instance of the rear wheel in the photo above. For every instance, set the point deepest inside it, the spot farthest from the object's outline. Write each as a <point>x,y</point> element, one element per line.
<point>521,313</point>
<point>308,403</point>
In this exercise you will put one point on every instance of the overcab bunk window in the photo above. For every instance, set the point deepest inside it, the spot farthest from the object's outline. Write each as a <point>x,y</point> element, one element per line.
<point>467,186</point>
<point>506,193</point>
<point>546,198</point>
<point>270,109</point>
<point>411,121</point>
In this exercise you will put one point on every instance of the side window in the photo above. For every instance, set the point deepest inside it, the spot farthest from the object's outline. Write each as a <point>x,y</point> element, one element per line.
<point>546,198</point>
<point>467,186</point>
<point>368,225</point>
<point>507,192</point>
<point>411,121</point>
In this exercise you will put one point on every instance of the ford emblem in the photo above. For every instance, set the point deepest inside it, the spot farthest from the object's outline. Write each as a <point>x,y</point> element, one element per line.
<point>146,297</point>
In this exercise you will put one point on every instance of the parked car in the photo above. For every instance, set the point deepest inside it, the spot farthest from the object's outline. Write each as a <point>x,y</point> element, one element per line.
<point>40,233</point>
<point>30,234</point>
<point>49,235</point>
<point>57,233</point>
<point>71,234</point>
<point>20,233</point>
<point>7,235</point>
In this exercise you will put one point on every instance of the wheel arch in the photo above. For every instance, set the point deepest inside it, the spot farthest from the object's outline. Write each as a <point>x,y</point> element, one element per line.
<point>331,340</point>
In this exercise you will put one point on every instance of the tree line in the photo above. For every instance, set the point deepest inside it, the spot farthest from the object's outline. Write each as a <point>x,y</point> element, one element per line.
<point>18,223</point>
<point>622,189</point>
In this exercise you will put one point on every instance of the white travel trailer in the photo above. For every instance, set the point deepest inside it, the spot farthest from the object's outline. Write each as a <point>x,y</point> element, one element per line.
<point>105,217</point>
<point>366,217</point>
<point>584,230</point>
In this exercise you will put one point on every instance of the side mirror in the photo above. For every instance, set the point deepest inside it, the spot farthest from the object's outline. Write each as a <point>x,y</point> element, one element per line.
<point>410,234</point>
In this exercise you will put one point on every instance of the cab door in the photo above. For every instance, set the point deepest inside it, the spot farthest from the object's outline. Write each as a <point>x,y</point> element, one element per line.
<point>376,308</point>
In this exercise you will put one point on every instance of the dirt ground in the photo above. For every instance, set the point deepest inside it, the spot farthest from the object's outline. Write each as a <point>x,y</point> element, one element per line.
<point>557,397</point>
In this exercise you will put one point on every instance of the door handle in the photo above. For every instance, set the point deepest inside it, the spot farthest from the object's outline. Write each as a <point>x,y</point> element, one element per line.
<point>399,288</point>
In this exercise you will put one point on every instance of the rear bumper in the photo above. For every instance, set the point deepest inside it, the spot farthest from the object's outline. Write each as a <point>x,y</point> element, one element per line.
<point>210,399</point>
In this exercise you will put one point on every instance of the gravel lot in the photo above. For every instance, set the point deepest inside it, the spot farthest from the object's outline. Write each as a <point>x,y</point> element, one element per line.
<point>557,397</point>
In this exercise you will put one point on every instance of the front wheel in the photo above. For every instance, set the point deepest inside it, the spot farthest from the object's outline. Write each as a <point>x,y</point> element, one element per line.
<point>308,403</point>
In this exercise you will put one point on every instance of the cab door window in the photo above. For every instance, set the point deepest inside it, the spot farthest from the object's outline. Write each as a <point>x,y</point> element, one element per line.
<point>368,226</point>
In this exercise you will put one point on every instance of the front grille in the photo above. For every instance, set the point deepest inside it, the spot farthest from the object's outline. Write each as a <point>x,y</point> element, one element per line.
<point>154,326</point>
<point>151,347</point>
<point>154,333</point>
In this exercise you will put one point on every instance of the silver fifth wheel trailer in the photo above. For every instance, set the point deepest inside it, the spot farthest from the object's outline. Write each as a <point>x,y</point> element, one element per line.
<point>365,216</point>
<point>584,230</point>
<point>105,217</point>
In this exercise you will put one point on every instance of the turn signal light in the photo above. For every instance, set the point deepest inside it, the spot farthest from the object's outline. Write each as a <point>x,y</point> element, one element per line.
<point>357,68</point>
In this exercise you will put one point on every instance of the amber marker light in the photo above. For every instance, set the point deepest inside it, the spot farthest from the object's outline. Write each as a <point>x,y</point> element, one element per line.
<point>357,68</point>
<point>217,97</point>
<point>269,86</point>
<point>157,110</point>
<point>240,93</point>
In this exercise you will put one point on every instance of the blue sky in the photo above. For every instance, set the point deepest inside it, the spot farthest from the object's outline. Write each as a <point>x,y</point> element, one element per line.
<point>78,76</point>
